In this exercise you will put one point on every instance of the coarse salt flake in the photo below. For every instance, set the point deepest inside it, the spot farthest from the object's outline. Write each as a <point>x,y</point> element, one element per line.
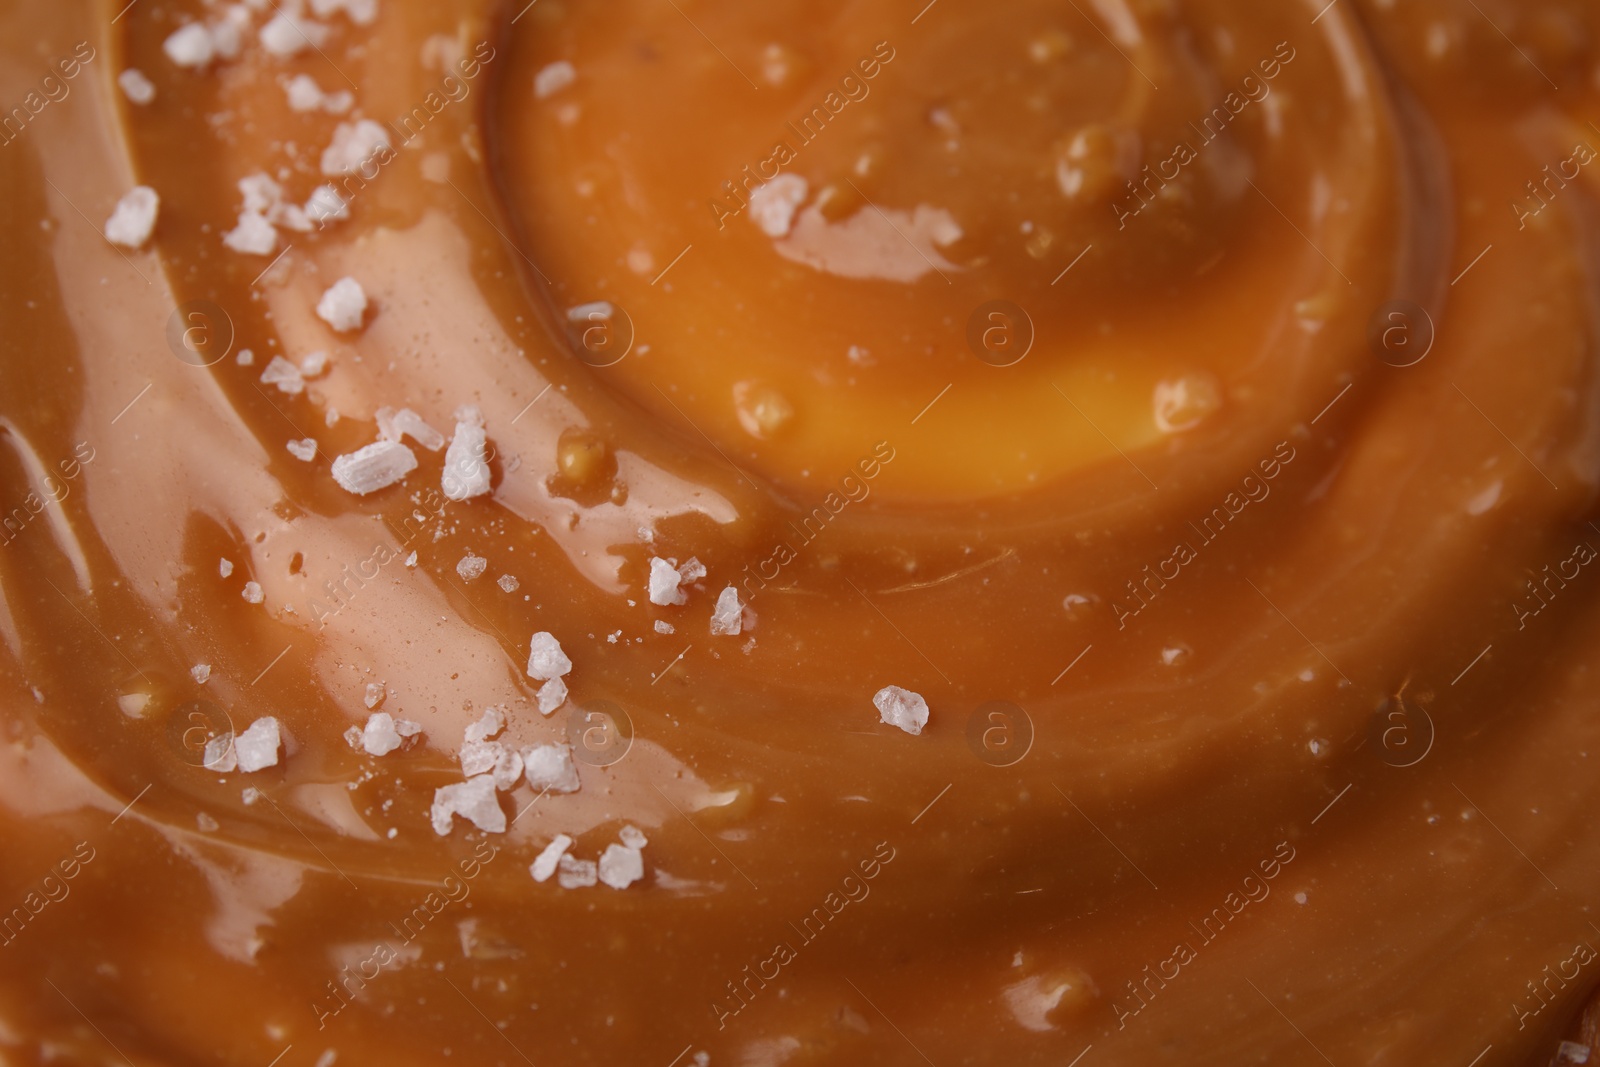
<point>621,866</point>
<point>546,660</point>
<point>664,579</point>
<point>285,375</point>
<point>252,592</point>
<point>257,747</point>
<point>575,873</point>
<point>552,79</point>
<point>552,695</point>
<point>134,218</point>
<point>190,46</point>
<point>353,144</point>
<point>474,800</point>
<point>373,467</point>
<point>466,468</point>
<point>254,235</point>
<point>544,865</point>
<point>343,305</point>
<point>136,87</point>
<point>285,35</point>
<point>773,203</point>
<point>902,708</point>
<point>508,582</point>
<point>375,694</point>
<point>200,672</point>
<point>304,450</point>
<point>551,767</point>
<point>471,567</point>
<point>728,616</point>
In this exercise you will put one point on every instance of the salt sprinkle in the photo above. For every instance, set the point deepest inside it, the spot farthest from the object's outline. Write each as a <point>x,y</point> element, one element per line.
<point>664,627</point>
<point>471,566</point>
<point>374,467</point>
<point>245,357</point>
<point>343,305</point>
<point>551,767</point>
<point>285,375</point>
<point>225,567</point>
<point>633,837</point>
<point>411,560</point>
<point>190,46</point>
<point>384,733</point>
<point>773,203</point>
<point>466,470</point>
<point>361,12</point>
<point>692,570</point>
<point>134,218</point>
<point>254,235</point>
<point>314,364</point>
<point>902,708</point>
<point>621,866</point>
<point>257,747</point>
<point>285,35</point>
<point>544,865</point>
<point>375,694</point>
<point>325,205</point>
<point>552,79</point>
<point>304,450</point>
<point>474,800</point>
<point>219,755</point>
<point>552,695</point>
<point>394,425</point>
<point>664,579</point>
<point>546,660</point>
<point>252,592</point>
<point>508,582</point>
<point>491,722</point>
<point>200,672</point>
<point>353,144</point>
<point>136,87</point>
<point>575,873</point>
<point>728,616</point>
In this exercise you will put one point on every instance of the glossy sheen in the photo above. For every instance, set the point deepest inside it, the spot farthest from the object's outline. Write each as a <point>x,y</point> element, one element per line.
<point>1259,666</point>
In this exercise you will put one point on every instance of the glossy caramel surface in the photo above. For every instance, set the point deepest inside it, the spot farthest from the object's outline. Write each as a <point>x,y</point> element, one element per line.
<point>1194,402</point>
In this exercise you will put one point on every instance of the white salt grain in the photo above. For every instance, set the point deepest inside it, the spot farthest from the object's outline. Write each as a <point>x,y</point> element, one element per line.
<point>360,12</point>
<point>546,660</point>
<point>466,469</point>
<point>314,364</point>
<point>374,467</point>
<point>325,205</point>
<point>379,737</point>
<point>575,873</point>
<point>474,800</point>
<point>692,570</point>
<point>544,865</point>
<point>633,837</point>
<point>285,375</point>
<point>257,747</point>
<point>190,46</point>
<point>551,767</point>
<point>411,560</point>
<point>200,672</point>
<point>471,567</point>
<point>773,203</point>
<point>353,144</point>
<point>245,357</point>
<point>136,87</point>
<point>902,708</point>
<point>491,722</point>
<point>552,79</point>
<point>343,305</point>
<point>219,755</point>
<point>254,235</point>
<point>664,579</point>
<point>225,567</point>
<point>727,618</point>
<point>284,35</point>
<point>552,695</point>
<point>134,218</point>
<point>508,582</point>
<point>252,592</point>
<point>304,450</point>
<point>375,694</point>
<point>664,627</point>
<point>621,866</point>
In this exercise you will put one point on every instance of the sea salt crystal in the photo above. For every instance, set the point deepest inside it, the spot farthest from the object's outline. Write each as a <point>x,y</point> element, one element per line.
<point>261,194</point>
<point>480,757</point>
<point>471,566</point>
<point>325,205</point>
<point>379,737</point>
<point>411,560</point>
<point>250,794</point>
<point>373,467</point>
<point>474,800</point>
<point>664,579</point>
<point>508,582</point>
<point>773,203</point>
<point>252,592</point>
<point>633,837</point>
<point>466,470</point>
<point>200,672</point>
<point>219,755</point>
<point>902,708</point>
<point>136,87</point>
<point>621,866</point>
<point>375,694</point>
<point>285,375</point>
<point>227,32</point>
<point>575,873</point>
<point>285,35</point>
<point>550,767</point>
<point>664,627</point>
<point>134,218</point>
<point>314,364</point>
<point>728,617</point>
<point>254,235</point>
<point>245,357</point>
<point>544,865</point>
<point>552,79</point>
<point>692,570</point>
<point>132,704</point>
<point>507,769</point>
<point>491,722</point>
<point>552,695</point>
<point>343,305</point>
<point>303,92</point>
<point>304,450</point>
<point>257,747</point>
<point>394,425</point>
<point>353,144</point>
<point>545,658</point>
<point>225,567</point>
<point>190,46</point>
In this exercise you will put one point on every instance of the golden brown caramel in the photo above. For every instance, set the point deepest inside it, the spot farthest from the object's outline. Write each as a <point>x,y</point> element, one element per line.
<point>1194,402</point>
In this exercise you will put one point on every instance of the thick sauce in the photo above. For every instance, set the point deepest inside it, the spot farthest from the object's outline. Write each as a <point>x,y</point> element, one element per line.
<point>1194,402</point>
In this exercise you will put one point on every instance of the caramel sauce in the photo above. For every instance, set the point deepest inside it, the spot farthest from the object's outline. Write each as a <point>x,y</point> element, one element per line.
<point>1195,403</point>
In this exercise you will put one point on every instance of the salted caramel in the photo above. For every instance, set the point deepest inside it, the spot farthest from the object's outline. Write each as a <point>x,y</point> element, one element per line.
<point>770,535</point>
